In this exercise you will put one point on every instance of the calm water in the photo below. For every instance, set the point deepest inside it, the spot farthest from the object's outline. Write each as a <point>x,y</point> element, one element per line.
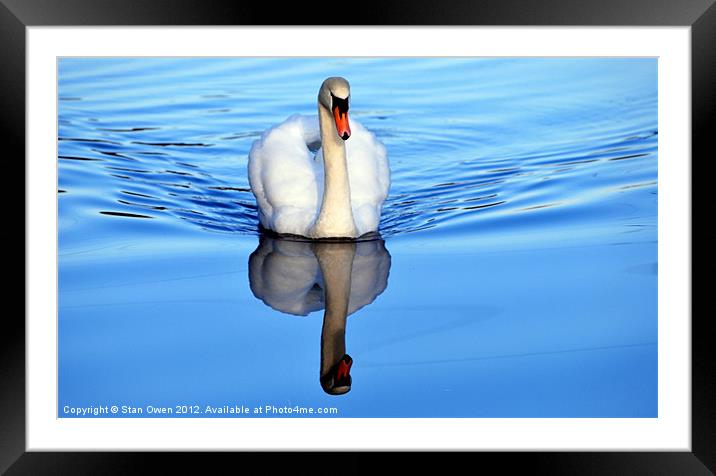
<point>517,275</point>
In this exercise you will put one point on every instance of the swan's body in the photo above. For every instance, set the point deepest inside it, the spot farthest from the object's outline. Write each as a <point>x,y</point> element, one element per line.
<point>339,191</point>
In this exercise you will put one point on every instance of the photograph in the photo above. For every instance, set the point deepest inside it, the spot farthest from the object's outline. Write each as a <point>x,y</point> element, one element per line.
<point>322,237</point>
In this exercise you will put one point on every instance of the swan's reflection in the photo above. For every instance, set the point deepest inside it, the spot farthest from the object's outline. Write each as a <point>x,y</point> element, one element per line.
<point>299,277</point>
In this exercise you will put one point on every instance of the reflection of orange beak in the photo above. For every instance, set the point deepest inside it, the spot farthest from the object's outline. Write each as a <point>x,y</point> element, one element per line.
<point>338,380</point>
<point>344,368</point>
<point>342,126</point>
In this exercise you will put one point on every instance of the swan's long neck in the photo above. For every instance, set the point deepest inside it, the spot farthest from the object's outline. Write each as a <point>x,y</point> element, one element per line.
<point>336,263</point>
<point>335,219</point>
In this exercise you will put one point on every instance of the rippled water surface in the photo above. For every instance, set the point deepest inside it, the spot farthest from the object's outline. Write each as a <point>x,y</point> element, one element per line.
<point>516,275</point>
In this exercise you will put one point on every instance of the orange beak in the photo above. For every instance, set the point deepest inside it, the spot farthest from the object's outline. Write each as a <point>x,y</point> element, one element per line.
<point>342,126</point>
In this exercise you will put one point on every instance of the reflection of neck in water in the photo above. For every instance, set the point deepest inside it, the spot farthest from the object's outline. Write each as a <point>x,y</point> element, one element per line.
<point>302,277</point>
<point>336,262</point>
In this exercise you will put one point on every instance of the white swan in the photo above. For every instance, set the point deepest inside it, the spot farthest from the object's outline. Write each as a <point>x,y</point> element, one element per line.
<point>336,193</point>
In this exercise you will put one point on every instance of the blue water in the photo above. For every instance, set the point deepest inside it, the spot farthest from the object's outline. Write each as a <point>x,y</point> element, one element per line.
<point>516,275</point>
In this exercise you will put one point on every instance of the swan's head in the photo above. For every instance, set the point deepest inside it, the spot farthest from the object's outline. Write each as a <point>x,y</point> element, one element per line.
<point>334,95</point>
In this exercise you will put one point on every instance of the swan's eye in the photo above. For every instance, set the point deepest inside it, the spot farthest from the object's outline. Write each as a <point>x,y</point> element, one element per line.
<point>340,104</point>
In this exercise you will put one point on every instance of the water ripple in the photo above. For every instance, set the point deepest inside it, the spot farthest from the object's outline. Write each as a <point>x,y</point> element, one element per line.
<point>467,158</point>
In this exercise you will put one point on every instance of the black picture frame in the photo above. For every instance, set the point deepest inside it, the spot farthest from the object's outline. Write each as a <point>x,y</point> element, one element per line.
<point>16,15</point>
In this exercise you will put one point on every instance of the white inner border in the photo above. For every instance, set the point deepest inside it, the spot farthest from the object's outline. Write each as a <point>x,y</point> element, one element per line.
<point>670,431</point>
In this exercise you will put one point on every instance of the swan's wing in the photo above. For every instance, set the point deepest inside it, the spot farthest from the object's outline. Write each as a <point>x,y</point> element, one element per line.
<point>285,275</point>
<point>284,176</point>
<point>369,274</point>
<point>369,176</point>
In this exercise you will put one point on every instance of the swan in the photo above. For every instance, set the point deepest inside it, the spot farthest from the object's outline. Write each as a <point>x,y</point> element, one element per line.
<point>300,277</point>
<point>339,191</point>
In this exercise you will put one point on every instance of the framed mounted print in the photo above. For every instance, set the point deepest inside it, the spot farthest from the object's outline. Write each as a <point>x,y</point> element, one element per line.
<point>318,238</point>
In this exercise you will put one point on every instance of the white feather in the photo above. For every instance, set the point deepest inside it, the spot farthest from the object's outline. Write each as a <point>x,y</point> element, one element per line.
<point>287,178</point>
